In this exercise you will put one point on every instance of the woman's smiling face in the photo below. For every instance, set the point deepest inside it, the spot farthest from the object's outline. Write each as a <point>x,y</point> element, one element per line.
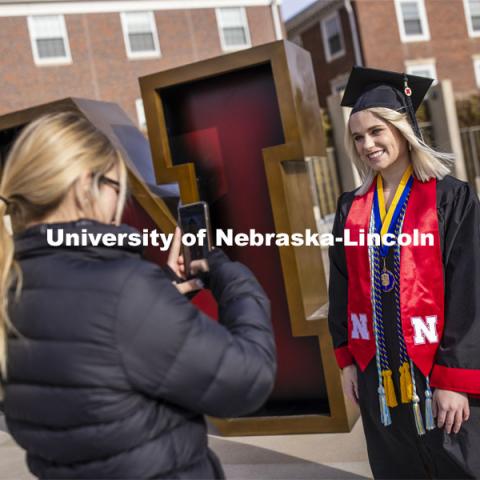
<point>378,144</point>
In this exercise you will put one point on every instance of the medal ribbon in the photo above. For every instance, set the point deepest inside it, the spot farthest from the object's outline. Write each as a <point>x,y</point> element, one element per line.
<point>385,221</point>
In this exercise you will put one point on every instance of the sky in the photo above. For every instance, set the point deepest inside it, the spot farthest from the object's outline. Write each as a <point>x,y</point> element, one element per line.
<point>292,7</point>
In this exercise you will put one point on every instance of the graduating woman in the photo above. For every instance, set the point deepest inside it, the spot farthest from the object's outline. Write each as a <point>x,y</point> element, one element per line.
<point>405,317</point>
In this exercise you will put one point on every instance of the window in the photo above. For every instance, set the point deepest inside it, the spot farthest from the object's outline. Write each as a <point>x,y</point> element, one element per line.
<point>476,67</point>
<point>142,122</point>
<point>140,34</point>
<point>339,83</point>
<point>425,69</point>
<point>49,38</point>
<point>332,37</point>
<point>472,12</point>
<point>412,20</point>
<point>233,28</point>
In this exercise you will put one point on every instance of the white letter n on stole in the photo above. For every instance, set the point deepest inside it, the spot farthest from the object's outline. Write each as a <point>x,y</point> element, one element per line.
<point>425,329</point>
<point>360,327</point>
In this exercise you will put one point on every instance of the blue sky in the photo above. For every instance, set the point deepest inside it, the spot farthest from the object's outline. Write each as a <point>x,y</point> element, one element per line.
<point>291,7</point>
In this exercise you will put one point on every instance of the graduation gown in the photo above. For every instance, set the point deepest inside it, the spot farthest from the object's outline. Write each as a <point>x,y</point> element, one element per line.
<point>397,451</point>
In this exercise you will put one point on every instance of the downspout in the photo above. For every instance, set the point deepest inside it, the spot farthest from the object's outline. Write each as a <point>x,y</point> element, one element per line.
<point>353,28</point>
<point>277,23</point>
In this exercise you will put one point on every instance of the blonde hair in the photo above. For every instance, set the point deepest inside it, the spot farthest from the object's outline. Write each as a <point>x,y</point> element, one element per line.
<point>426,162</point>
<point>42,166</point>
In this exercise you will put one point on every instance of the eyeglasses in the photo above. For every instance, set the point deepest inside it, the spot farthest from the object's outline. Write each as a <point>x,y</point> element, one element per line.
<point>110,182</point>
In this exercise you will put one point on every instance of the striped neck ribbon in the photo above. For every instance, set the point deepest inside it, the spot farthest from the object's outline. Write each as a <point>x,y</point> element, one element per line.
<point>385,221</point>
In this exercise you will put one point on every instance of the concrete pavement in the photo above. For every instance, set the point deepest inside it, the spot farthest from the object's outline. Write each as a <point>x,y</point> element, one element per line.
<point>293,457</point>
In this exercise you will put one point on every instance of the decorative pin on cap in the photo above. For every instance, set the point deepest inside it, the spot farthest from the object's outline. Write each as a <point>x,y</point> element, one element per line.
<point>407,90</point>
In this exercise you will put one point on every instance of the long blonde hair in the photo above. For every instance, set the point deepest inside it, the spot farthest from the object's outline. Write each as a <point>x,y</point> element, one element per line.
<point>426,162</point>
<point>42,166</point>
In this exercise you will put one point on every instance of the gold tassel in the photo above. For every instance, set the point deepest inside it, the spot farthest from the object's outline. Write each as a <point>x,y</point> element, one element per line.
<point>403,386</point>
<point>406,387</point>
<point>389,388</point>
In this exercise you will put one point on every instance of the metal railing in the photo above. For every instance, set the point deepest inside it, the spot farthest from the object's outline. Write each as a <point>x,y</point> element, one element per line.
<point>325,184</point>
<point>471,149</point>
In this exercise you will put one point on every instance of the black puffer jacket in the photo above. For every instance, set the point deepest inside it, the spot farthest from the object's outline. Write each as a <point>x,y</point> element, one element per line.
<point>114,368</point>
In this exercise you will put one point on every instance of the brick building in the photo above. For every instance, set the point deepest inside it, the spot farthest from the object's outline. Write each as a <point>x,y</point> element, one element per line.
<point>437,38</point>
<point>98,49</point>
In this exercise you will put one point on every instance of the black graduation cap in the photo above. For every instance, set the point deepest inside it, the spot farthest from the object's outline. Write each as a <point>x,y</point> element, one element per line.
<point>369,87</point>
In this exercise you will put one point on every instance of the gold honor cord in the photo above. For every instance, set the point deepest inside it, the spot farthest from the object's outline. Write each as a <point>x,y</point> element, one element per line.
<point>387,217</point>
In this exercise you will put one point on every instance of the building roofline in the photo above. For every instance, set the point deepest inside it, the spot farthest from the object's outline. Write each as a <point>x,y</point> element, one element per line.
<point>37,7</point>
<point>205,2</point>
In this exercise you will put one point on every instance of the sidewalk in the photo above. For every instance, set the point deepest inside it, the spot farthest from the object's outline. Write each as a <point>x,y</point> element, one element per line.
<point>295,457</point>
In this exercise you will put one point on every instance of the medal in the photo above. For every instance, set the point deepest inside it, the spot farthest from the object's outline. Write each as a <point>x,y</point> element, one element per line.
<point>385,222</point>
<point>387,278</point>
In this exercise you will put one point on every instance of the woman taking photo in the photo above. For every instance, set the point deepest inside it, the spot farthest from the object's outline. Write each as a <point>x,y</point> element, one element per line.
<point>107,369</point>
<point>405,320</point>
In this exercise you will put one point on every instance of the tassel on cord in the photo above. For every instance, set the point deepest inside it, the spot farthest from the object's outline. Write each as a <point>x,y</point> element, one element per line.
<point>418,415</point>
<point>406,387</point>
<point>389,389</point>
<point>416,404</point>
<point>384,410</point>
<point>429,421</point>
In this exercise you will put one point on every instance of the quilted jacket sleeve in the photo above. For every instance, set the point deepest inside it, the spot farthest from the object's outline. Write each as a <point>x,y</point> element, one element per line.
<point>171,350</point>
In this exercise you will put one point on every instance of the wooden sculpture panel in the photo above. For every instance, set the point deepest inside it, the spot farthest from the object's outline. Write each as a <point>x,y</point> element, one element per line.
<point>235,131</point>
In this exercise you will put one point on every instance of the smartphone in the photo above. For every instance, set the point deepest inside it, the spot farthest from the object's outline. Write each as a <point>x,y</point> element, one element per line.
<point>194,218</point>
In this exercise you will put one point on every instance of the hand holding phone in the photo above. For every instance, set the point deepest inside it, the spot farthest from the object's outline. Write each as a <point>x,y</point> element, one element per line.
<point>175,268</point>
<point>194,220</point>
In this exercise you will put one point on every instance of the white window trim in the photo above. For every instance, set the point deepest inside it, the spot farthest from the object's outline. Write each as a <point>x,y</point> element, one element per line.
<point>468,17</point>
<point>430,65</point>
<point>326,47</point>
<point>153,24</point>
<point>234,48</point>
<point>43,62</point>
<point>142,121</point>
<point>476,68</point>
<point>425,36</point>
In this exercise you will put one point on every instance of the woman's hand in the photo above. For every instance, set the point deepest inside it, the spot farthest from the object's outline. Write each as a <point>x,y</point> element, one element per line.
<point>177,265</point>
<point>451,409</point>
<point>350,383</point>
<point>175,258</point>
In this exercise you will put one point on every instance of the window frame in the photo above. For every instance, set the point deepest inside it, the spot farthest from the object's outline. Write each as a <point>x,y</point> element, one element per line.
<point>476,70</point>
<point>329,57</point>
<point>404,37</point>
<point>245,25</point>
<point>140,109</point>
<point>156,53</point>
<point>52,61</point>
<point>423,65</point>
<point>468,17</point>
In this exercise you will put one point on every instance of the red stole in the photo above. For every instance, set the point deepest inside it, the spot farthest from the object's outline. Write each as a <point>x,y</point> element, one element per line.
<point>421,280</point>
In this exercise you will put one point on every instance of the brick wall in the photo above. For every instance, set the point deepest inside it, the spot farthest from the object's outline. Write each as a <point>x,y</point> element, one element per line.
<point>326,71</point>
<point>100,67</point>
<point>449,44</point>
<point>381,45</point>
